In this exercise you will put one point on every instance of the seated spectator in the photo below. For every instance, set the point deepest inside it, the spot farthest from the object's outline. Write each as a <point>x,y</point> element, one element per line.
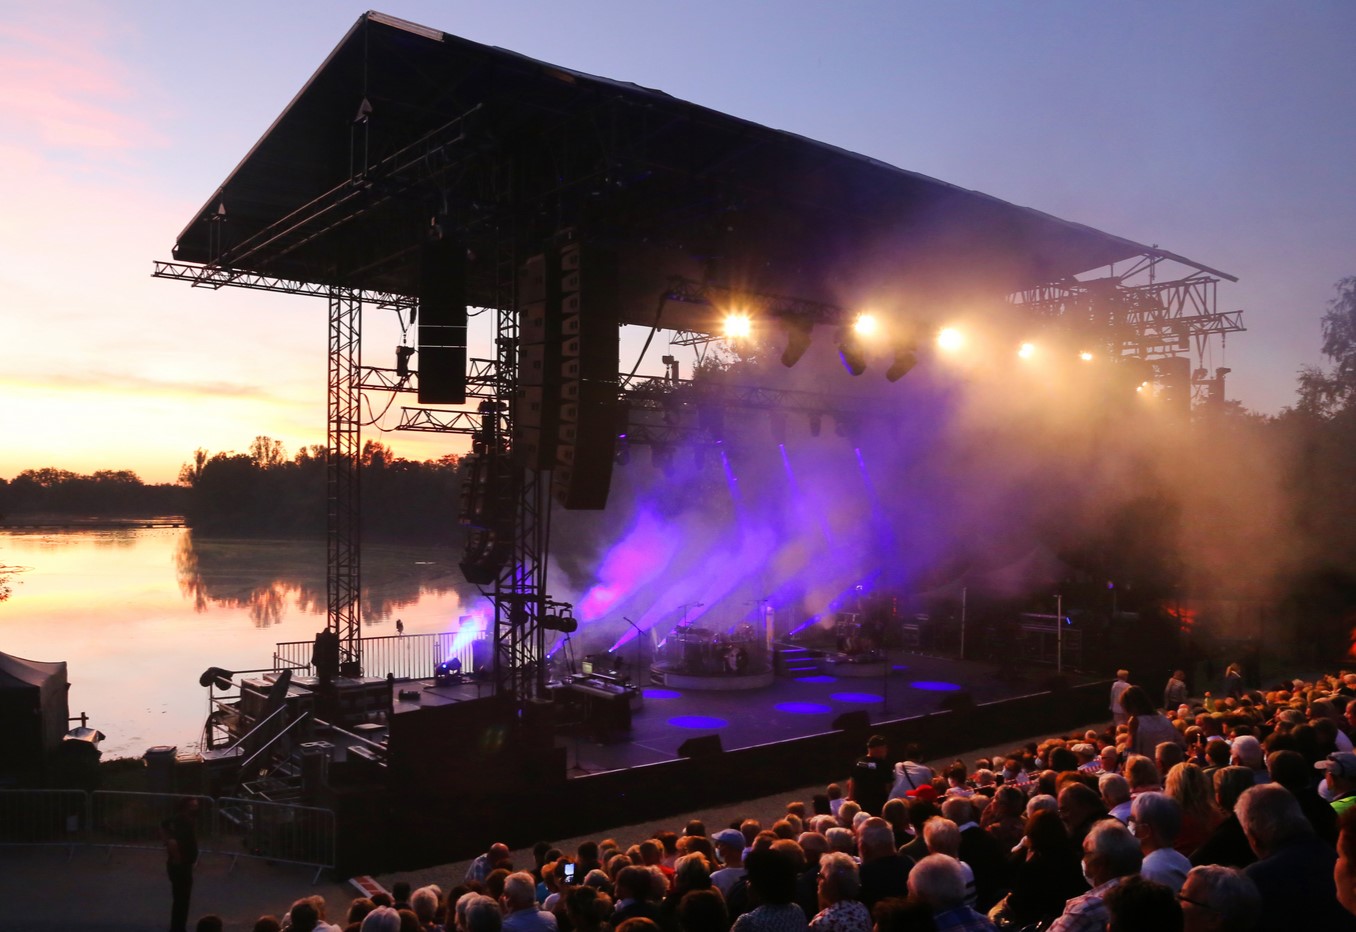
<point>772,890</point>
<point>1045,873</point>
<point>839,889</point>
<point>519,901</point>
<point>1156,819</point>
<point>588,910</point>
<point>1294,869</point>
<point>903,914</point>
<point>357,912</point>
<point>1142,775</point>
<point>1110,854</point>
<point>939,882</point>
<point>1115,795</point>
<point>1246,751</point>
<point>701,911</point>
<point>1219,899</point>
<point>1227,845</point>
<point>730,847</point>
<point>1188,785</point>
<point>943,837</point>
<point>981,851</point>
<point>1080,808</point>
<point>387,919</point>
<point>1138,903</point>
<point>1292,771</point>
<point>884,872</point>
<point>1340,778</point>
<point>424,904</point>
<point>1005,817</point>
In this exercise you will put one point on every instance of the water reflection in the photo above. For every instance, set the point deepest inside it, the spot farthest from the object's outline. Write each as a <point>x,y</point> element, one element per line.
<point>266,578</point>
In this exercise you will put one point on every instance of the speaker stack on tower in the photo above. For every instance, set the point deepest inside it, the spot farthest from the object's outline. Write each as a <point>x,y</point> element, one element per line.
<point>442,322</point>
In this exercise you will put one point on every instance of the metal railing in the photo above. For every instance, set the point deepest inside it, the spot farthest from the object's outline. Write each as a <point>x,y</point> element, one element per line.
<point>405,656</point>
<point>236,828</point>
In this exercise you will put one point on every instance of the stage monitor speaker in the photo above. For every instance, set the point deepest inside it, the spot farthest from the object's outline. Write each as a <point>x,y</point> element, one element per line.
<point>704,746</point>
<point>442,322</point>
<point>853,721</point>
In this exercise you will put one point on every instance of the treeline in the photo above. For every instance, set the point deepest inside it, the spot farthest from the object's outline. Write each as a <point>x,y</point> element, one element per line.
<point>108,493</point>
<point>266,493</point>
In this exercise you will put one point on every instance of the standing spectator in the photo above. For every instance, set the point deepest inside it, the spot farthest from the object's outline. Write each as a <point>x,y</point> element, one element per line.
<point>872,776</point>
<point>1118,714</point>
<point>1340,777</point>
<point>1233,682</point>
<point>909,774</point>
<point>181,854</point>
<point>1175,692</point>
<point>1147,726</point>
<point>482,866</point>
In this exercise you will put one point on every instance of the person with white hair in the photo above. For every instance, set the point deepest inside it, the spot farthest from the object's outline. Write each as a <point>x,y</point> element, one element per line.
<point>1156,819</point>
<point>1246,751</point>
<point>1294,868</point>
<point>938,881</point>
<point>1110,854</point>
<point>839,886</point>
<point>384,919</point>
<point>520,905</point>
<point>1116,795</point>
<point>1215,898</point>
<point>943,837</point>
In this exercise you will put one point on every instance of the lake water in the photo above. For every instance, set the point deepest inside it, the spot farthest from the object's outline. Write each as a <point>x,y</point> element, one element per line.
<point>138,614</point>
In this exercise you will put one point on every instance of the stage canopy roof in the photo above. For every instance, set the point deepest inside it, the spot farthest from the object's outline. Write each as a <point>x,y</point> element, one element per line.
<point>403,128</point>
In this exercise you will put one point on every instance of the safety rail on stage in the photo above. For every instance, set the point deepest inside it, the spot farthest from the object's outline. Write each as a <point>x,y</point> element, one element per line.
<point>404,656</point>
<point>236,828</point>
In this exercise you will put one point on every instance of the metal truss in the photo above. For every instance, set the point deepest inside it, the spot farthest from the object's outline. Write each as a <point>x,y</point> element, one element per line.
<point>215,277</point>
<point>482,380</point>
<point>343,439</point>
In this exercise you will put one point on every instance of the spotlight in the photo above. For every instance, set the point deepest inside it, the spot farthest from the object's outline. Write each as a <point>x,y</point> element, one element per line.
<point>1026,350</point>
<point>738,326</point>
<point>950,339</point>
<point>565,624</point>
<point>798,334</point>
<point>447,672</point>
<point>905,359</point>
<point>866,325</point>
<point>1085,356</point>
<point>851,352</point>
<point>403,354</point>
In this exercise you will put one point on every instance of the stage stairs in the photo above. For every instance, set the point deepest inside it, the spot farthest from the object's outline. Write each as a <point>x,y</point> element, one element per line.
<point>795,662</point>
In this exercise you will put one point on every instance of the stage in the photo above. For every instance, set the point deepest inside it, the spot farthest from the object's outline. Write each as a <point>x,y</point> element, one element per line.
<point>788,709</point>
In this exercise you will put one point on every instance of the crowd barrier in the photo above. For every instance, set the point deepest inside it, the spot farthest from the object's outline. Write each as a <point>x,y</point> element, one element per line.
<point>236,828</point>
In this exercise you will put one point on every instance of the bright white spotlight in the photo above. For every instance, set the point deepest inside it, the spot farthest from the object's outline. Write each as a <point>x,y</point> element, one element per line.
<point>950,339</point>
<point>866,325</point>
<point>1026,350</point>
<point>738,326</point>
<point>1085,356</point>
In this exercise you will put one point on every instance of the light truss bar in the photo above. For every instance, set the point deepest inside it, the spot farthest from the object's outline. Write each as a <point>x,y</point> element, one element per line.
<point>343,525</point>
<point>687,291</point>
<point>482,380</point>
<point>214,277</point>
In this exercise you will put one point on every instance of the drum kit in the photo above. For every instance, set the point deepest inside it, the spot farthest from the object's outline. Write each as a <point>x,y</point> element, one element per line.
<point>705,652</point>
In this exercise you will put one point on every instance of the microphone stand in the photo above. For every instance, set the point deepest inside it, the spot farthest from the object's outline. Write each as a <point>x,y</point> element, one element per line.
<point>640,657</point>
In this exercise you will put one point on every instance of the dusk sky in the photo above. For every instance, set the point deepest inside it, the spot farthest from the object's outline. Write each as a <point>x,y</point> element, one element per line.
<point>1223,131</point>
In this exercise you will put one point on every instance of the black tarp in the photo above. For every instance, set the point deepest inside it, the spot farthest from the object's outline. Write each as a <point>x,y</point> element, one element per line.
<point>34,716</point>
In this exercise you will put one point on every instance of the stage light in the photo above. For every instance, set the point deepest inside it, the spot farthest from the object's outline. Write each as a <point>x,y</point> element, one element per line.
<point>905,359</point>
<point>1085,356</point>
<point>950,339</point>
<point>866,325</point>
<point>854,360</point>
<point>1026,350</point>
<point>565,624</point>
<point>738,326</point>
<point>798,335</point>
<point>445,673</point>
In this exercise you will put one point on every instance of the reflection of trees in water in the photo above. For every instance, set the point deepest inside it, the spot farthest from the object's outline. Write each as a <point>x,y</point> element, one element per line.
<point>265,576</point>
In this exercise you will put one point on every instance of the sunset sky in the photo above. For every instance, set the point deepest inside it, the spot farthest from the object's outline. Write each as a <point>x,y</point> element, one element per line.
<point>1225,131</point>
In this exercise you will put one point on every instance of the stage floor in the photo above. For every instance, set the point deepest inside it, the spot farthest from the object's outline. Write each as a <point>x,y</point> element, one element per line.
<point>791,708</point>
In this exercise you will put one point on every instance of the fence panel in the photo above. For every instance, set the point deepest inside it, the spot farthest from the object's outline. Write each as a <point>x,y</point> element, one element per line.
<point>43,817</point>
<point>132,820</point>
<point>276,832</point>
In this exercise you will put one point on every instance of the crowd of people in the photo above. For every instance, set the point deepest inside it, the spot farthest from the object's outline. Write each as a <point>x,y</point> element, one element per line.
<point>1235,812</point>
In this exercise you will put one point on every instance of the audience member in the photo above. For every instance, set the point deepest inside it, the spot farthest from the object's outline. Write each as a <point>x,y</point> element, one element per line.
<point>1219,899</point>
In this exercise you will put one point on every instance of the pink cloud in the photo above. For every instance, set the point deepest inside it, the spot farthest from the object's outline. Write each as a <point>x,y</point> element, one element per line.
<point>64,89</point>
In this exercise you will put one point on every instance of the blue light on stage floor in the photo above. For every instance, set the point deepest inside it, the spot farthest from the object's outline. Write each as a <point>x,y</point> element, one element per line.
<point>703,722</point>
<point>817,679</point>
<point>856,697</point>
<point>935,686</point>
<point>663,694</point>
<point>803,708</point>
<point>900,666</point>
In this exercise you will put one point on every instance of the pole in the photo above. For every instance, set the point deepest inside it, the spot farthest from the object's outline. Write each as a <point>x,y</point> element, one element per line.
<point>1059,634</point>
<point>964,592</point>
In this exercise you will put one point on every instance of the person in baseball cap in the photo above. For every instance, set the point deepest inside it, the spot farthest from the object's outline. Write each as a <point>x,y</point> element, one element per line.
<point>1341,779</point>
